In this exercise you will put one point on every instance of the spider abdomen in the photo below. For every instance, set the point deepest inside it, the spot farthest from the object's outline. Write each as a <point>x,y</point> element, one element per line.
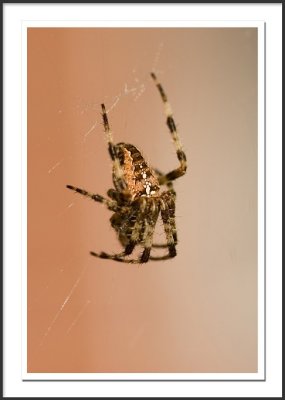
<point>140,179</point>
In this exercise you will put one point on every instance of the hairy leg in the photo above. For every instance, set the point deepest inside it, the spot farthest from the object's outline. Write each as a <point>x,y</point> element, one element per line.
<point>112,205</point>
<point>176,173</point>
<point>145,218</point>
<point>168,219</point>
<point>117,170</point>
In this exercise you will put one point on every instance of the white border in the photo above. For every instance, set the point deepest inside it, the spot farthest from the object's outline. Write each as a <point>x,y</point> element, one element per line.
<point>38,16</point>
<point>153,376</point>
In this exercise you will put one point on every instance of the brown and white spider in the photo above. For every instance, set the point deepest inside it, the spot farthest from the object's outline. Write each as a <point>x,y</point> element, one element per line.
<point>137,199</point>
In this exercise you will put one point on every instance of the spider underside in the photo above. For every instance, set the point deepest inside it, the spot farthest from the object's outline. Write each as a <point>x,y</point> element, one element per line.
<point>137,199</point>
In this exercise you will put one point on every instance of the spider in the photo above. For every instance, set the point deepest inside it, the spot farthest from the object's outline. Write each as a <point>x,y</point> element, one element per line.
<point>137,199</point>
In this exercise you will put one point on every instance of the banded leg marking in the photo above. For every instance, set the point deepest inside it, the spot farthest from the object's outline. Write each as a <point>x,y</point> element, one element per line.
<point>112,205</point>
<point>176,173</point>
<point>112,150</point>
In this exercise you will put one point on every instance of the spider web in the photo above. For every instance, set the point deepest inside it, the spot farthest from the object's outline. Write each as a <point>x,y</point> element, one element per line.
<point>133,90</point>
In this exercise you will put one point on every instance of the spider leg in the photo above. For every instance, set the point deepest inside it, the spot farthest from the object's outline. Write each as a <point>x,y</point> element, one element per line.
<point>176,173</point>
<point>168,219</point>
<point>168,215</point>
<point>161,258</point>
<point>143,259</point>
<point>120,257</point>
<point>159,245</point>
<point>148,235</point>
<point>130,226</point>
<point>169,184</point>
<point>129,248</point>
<point>115,257</point>
<point>170,230</point>
<point>112,205</point>
<point>112,150</point>
<point>119,197</point>
<point>149,224</point>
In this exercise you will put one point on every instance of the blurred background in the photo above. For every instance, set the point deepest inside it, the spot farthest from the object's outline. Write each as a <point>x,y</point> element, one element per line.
<point>197,312</point>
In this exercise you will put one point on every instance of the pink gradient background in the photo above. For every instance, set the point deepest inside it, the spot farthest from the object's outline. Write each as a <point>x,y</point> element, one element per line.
<point>197,312</point>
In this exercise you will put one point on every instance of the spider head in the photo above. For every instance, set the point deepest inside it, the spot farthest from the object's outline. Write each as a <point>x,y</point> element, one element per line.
<point>140,179</point>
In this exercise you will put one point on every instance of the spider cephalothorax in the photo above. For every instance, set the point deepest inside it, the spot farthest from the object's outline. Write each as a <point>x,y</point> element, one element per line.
<point>137,200</point>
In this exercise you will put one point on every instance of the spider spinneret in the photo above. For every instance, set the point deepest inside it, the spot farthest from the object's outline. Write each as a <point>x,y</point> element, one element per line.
<point>137,200</point>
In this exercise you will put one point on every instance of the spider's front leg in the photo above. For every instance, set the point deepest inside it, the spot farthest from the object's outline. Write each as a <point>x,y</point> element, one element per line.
<point>180,171</point>
<point>118,172</point>
<point>112,205</point>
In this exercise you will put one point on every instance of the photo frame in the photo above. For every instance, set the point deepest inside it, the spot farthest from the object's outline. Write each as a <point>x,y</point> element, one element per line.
<point>261,283</point>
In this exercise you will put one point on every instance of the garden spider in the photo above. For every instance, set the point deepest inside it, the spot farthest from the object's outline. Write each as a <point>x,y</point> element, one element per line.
<point>137,200</point>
